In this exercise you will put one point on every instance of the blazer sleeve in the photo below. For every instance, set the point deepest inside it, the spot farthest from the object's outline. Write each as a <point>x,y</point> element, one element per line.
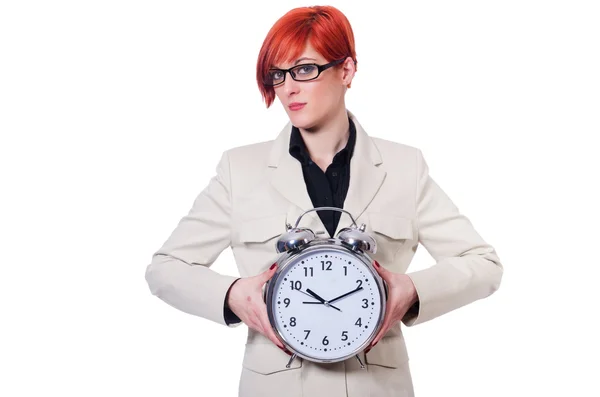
<point>179,272</point>
<point>466,269</point>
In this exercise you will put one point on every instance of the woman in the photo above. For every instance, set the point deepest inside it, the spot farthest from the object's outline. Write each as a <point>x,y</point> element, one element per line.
<point>322,157</point>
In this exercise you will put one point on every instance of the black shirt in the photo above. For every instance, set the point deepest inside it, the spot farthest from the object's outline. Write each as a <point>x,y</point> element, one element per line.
<point>326,189</point>
<point>329,188</point>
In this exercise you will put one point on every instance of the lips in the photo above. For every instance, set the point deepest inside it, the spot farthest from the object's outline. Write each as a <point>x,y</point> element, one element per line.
<point>296,105</point>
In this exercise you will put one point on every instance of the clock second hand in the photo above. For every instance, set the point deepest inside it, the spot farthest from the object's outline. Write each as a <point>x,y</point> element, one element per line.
<point>317,297</point>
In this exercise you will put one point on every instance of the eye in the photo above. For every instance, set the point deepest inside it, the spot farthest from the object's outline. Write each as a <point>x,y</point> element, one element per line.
<point>306,69</point>
<point>275,74</point>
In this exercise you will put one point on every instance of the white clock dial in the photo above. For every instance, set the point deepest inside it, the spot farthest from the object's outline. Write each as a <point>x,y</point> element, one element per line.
<point>347,319</point>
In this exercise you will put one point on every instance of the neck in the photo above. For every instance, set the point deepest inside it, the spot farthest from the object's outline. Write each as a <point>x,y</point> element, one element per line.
<point>325,140</point>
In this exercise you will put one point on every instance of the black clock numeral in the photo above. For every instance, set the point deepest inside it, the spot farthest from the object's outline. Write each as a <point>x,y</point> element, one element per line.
<point>328,265</point>
<point>365,303</point>
<point>307,333</point>
<point>345,270</point>
<point>292,321</point>
<point>325,341</point>
<point>358,322</point>
<point>345,335</point>
<point>296,285</point>
<point>287,302</point>
<point>359,282</point>
<point>306,271</point>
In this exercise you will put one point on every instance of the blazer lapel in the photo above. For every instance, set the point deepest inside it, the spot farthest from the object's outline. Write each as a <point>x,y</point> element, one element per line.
<point>365,177</point>
<point>287,178</point>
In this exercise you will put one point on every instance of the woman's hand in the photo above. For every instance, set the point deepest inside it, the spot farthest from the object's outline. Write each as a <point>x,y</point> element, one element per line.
<point>401,296</point>
<point>246,301</point>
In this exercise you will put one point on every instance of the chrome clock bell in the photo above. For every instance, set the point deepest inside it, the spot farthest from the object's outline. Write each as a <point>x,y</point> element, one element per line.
<point>325,302</point>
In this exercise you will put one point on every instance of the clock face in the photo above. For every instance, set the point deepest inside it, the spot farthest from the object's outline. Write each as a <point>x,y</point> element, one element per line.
<point>347,319</point>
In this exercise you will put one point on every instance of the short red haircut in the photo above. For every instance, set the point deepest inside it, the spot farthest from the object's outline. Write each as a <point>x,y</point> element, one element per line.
<point>327,29</point>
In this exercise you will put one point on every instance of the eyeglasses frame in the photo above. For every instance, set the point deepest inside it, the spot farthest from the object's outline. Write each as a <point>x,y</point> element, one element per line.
<point>320,69</point>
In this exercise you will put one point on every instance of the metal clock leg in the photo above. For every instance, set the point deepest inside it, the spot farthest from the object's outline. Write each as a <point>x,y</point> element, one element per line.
<point>362,366</point>
<point>291,360</point>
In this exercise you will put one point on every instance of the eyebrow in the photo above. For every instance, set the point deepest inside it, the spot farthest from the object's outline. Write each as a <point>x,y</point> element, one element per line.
<point>303,58</point>
<point>295,63</point>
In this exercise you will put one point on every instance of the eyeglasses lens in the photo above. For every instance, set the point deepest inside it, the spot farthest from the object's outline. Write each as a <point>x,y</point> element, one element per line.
<point>299,73</point>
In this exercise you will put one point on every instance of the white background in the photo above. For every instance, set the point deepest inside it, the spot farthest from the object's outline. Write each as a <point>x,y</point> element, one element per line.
<point>114,114</point>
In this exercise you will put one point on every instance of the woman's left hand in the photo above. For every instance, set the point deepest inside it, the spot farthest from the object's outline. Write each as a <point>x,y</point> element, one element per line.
<point>401,296</point>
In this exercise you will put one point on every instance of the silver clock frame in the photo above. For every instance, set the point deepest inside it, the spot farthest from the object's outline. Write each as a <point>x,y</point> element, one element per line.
<point>309,245</point>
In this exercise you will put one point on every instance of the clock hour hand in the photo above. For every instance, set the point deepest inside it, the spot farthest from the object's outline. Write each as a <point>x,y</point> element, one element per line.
<point>306,293</point>
<point>346,294</point>
<point>323,301</point>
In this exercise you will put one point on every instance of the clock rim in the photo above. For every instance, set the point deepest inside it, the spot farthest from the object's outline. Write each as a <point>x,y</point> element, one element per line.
<point>286,258</point>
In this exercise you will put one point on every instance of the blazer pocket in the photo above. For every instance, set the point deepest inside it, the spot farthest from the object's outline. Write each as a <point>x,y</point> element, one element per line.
<point>392,226</point>
<point>266,359</point>
<point>261,230</point>
<point>391,233</point>
<point>389,352</point>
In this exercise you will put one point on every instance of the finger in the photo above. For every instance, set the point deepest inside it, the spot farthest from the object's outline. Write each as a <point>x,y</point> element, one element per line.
<point>254,324</point>
<point>269,333</point>
<point>383,272</point>
<point>378,336</point>
<point>263,317</point>
<point>372,345</point>
<point>272,336</point>
<point>267,274</point>
<point>258,325</point>
<point>382,331</point>
<point>385,326</point>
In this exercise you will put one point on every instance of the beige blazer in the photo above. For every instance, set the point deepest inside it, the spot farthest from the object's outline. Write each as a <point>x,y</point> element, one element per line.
<point>258,188</point>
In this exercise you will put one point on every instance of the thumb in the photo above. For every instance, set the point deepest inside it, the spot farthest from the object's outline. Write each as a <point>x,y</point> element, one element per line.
<point>384,273</point>
<point>267,274</point>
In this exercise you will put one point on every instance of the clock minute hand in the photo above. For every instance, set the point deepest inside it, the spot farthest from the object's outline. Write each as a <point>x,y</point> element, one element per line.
<point>346,294</point>
<point>323,301</point>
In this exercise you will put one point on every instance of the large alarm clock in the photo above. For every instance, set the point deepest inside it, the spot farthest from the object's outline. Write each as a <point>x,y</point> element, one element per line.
<point>325,302</point>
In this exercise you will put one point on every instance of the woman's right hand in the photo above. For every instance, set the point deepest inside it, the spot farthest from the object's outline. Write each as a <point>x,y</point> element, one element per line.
<point>246,301</point>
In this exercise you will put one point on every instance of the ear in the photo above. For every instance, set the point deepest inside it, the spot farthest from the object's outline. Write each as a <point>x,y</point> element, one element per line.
<point>348,71</point>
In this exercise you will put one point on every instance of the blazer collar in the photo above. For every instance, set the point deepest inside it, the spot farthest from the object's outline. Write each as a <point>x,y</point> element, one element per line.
<point>365,177</point>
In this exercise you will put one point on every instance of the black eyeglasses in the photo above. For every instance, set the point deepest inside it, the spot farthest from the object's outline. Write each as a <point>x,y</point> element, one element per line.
<point>304,72</point>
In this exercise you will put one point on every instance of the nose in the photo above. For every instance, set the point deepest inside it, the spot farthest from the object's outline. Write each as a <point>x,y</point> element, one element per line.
<point>290,86</point>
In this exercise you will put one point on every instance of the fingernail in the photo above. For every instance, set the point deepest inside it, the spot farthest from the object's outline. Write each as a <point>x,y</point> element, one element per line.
<point>373,345</point>
<point>376,263</point>
<point>273,265</point>
<point>285,350</point>
<point>370,347</point>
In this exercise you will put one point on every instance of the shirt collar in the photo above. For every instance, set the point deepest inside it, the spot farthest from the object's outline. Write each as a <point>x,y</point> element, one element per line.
<point>298,147</point>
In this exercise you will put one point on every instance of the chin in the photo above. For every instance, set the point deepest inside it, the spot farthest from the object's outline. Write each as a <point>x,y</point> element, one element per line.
<point>304,121</point>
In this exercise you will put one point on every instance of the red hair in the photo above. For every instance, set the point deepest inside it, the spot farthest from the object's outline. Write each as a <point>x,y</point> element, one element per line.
<point>325,27</point>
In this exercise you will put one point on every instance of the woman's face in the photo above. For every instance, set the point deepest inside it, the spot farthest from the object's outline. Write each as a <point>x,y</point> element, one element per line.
<point>322,97</point>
